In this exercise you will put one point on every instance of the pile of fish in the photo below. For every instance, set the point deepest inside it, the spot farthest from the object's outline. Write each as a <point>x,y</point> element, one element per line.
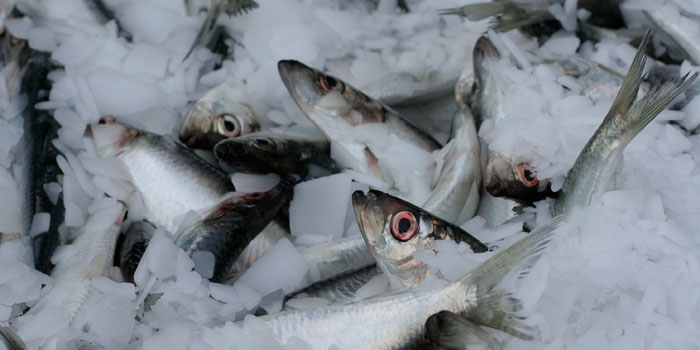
<point>411,211</point>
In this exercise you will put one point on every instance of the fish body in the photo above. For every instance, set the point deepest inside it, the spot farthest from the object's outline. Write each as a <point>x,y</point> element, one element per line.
<point>397,320</point>
<point>39,164</point>
<point>337,109</point>
<point>394,229</point>
<point>172,179</point>
<point>600,158</point>
<point>342,289</point>
<point>216,116</point>
<point>270,152</point>
<point>72,276</point>
<point>132,246</point>
<point>332,259</point>
<point>457,188</point>
<point>225,230</point>
<point>265,240</point>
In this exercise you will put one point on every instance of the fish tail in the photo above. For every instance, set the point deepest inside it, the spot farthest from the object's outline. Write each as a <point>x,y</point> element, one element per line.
<point>452,331</point>
<point>11,340</point>
<point>633,80</point>
<point>507,14</point>
<point>498,308</point>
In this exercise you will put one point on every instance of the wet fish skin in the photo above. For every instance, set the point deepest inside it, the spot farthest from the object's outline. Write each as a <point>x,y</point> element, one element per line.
<point>392,321</point>
<point>336,107</point>
<point>456,192</point>
<point>268,152</point>
<point>332,259</point>
<point>394,229</point>
<point>600,158</point>
<point>215,117</point>
<point>228,227</point>
<point>39,161</point>
<point>504,176</point>
<point>171,178</point>
<point>277,229</point>
<point>341,289</point>
<point>131,247</point>
<point>450,331</point>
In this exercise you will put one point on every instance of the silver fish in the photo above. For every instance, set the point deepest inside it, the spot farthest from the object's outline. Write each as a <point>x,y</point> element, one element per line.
<point>131,247</point>
<point>394,229</point>
<point>11,340</point>
<point>457,188</point>
<point>215,117</point>
<point>266,239</point>
<point>73,275</point>
<point>504,176</point>
<point>226,230</point>
<point>450,331</point>
<point>397,320</point>
<point>599,160</point>
<point>342,289</point>
<point>171,179</point>
<point>332,259</point>
<point>688,45</point>
<point>336,108</point>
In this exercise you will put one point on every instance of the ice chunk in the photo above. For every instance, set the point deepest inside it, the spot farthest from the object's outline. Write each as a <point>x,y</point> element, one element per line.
<point>116,93</point>
<point>149,21</point>
<point>377,285</point>
<point>161,255</point>
<point>282,267</point>
<point>40,224</point>
<point>204,262</point>
<point>146,59</point>
<point>319,206</point>
<point>42,39</point>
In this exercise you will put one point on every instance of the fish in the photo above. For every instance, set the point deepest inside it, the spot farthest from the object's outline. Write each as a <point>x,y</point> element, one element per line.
<point>39,166</point>
<point>504,176</point>
<point>172,179</point>
<point>515,14</point>
<point>210,34</point>
<point>456,192</point>
<point>131,247</point>
<point>227,228</point>
<point>337,108</point>
<point>91,258</point>
<point>397,320</point>
<point>450,331</point>
<point>680,39</point>
<point>271,152</point>
<point>11,340</point>
<point>215,117</point>
<point>394,229</point>
<point>591,174</point>
<point>332,259</point>
<point>342,289</point>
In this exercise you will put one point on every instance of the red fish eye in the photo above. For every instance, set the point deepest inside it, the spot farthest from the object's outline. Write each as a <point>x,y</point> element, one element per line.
<point>328,83</point>
<point>253,196</point>
<point>404,226</point>
<point>528,176</point>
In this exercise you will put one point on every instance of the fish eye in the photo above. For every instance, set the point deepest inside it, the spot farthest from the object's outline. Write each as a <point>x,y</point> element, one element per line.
<point>329,83</point>
<point>528,176</point>
<point>228,125</point>
<point>404,225</point>
<point>264,144</point>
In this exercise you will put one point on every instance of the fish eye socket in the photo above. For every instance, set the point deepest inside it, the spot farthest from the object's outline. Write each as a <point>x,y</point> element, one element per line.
<point>404,225</point>
<point>329,83</point>
<point>263,144</point>
<point>229,126</point>
<point>528,176</point>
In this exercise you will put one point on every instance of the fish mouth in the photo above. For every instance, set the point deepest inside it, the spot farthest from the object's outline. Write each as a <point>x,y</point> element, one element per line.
<point>369,216</point>
<point>196,130</point>
<point>229,152</point>
<point>301,82</point>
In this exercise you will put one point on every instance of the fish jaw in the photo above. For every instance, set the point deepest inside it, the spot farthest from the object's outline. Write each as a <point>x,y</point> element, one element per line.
<point>512,179</point>
<point>197,123</point>
<point>301,81</point>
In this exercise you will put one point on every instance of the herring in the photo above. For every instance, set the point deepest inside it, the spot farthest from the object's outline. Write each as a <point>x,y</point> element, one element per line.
<point>215,117</point>
<point>591,174</point>
<point>337,108</point>
<point>397,320</point>
<point>393,229</point>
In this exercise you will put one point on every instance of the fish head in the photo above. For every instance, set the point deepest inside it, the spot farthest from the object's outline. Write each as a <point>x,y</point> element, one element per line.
<point>394,229</point>
<point>210,121</point>
<point>486,94</point>
<point>518,180</point>
<point>326,99</point>
<point>258,152</point>
<point>484,52</point>
<point>110,138</point>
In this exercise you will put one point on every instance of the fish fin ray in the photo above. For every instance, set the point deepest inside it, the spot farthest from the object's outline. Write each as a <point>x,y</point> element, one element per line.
<point>633,79</point>
<point>476,12</point>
